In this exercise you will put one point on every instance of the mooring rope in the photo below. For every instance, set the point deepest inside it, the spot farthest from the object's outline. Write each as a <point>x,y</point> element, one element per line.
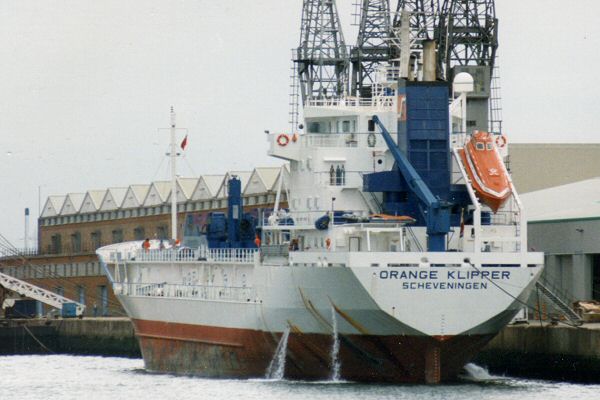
<point>37,340</point>
<point>517,299</point>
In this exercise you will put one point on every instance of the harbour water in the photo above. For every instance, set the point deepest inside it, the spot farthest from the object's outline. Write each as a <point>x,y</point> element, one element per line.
<point>78,377</point>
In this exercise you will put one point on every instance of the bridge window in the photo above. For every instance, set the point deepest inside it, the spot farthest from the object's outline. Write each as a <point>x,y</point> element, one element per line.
<point>314,127</point>
<point>479,146</point>
<point>345,126</point>
<point>337,174</point>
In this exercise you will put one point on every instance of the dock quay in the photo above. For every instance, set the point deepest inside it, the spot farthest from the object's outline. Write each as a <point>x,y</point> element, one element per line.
<point>87,336</point>
<point>534,350</point>
<point>545,351</point>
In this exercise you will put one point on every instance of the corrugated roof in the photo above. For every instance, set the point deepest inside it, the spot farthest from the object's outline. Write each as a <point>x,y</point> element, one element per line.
<point>207,187</point>
<point>269,175</point>
<point>113,198</point>
<point>72,204</point>
<point>53,205</point>
<point>158,193</point>
<point>187,186</point>
<point>185,189</point>
<point>140,191</point>
<point>92,200</point>
<point>134,196</point>
<point>579,200</point>
<point>213,182</point>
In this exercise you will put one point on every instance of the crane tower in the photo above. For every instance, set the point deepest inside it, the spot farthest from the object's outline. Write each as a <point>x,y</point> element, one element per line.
<point>372,48</point>
<point>322,57</point>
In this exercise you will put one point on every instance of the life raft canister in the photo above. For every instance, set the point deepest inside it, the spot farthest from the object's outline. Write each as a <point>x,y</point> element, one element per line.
<point>283,139</point>
<point>501,141</point>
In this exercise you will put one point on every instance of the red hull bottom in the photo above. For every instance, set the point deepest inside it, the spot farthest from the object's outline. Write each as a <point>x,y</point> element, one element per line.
<point>239,353</point>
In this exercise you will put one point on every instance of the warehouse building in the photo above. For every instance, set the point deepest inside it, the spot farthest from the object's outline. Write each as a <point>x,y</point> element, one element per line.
<point>73,226</point>
<point>564,223</point>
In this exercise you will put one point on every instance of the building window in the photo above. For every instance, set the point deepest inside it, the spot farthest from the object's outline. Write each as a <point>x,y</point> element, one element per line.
<point>161,232</point>
<point>81,294</point>
<point>117,235</point>
<point>139,233</point>
<point>96,237</point>
<point>55,244</point>
<point>76,242</point>
<point>103,301</point>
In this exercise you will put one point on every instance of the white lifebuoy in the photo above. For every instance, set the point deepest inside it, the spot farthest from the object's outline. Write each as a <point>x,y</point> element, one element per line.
<point>283,139</point>
<point>501,141</point>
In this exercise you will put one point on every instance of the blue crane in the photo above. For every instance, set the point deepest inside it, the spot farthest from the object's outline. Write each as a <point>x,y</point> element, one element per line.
<point>437,210</point>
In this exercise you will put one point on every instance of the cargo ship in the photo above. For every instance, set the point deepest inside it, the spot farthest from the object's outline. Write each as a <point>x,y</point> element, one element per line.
<point>400,252</point>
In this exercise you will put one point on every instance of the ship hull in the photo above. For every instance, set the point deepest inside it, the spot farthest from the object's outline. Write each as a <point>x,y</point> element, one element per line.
<point>242,353</point>
<point>403,325</point>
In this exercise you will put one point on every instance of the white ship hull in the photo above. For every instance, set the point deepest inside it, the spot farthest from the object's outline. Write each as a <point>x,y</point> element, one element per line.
<point>400,324</point>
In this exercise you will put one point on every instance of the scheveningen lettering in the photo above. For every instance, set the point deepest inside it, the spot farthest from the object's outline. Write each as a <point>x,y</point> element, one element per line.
<point>444,285</point>
<point>444,280</point>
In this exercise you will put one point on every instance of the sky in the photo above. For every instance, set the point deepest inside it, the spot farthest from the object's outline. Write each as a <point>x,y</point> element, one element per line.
<point>86,87</point>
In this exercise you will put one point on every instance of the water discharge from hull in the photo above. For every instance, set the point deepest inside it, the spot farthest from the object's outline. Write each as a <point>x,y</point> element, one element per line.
<point>335,348</point>
<point>276,368</point>
<point>474,372</point>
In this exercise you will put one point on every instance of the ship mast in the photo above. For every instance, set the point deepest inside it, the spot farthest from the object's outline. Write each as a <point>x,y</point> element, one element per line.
<point>173,156</point>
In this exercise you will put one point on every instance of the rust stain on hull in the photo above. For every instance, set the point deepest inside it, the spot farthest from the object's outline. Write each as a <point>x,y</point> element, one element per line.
<point>208,351</point>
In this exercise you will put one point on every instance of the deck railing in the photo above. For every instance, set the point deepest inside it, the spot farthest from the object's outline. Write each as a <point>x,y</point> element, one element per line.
<point>191,255</point>
<point>200,292</point>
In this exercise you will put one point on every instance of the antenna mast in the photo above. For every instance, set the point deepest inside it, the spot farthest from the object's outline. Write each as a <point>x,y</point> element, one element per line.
<point>173,156</point>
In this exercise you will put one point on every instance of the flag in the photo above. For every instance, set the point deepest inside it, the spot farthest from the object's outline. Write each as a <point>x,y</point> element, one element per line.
<point>183,143</point>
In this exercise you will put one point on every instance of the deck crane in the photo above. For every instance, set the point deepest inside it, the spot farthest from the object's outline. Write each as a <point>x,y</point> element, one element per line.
<point>437,210</point>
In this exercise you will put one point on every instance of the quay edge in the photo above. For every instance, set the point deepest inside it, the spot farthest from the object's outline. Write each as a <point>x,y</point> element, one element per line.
<point>560,352</point>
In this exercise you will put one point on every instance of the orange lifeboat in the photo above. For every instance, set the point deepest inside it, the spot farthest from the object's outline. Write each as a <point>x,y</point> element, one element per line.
<point>486,170</point>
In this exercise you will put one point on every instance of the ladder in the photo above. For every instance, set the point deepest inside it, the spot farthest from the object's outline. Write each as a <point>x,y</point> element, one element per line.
<point>495,105</point>
<point>560,304</point>
<point>294,97</point>
<point>37,293</point>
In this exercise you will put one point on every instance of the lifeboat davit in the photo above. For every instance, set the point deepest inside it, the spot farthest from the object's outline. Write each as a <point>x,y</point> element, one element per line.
<point>486,170</point>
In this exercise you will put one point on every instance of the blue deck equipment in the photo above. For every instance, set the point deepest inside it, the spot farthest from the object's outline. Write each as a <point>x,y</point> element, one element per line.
<point>437,211</point>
